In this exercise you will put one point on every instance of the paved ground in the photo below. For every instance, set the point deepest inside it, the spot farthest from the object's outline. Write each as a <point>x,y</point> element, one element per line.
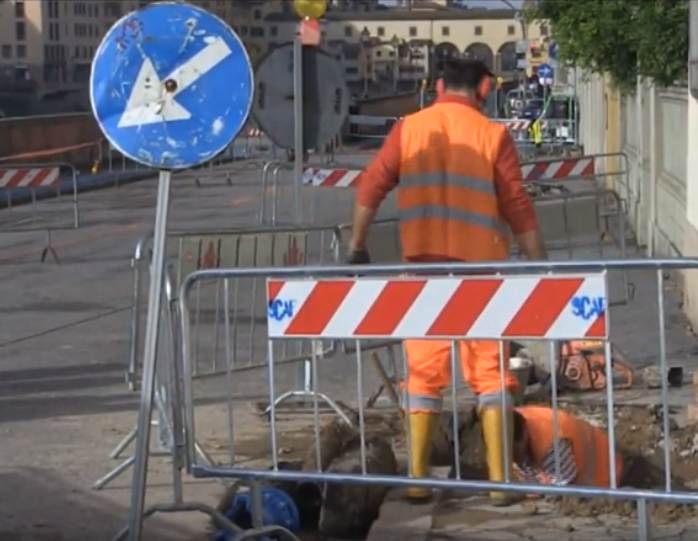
<point>64,349</point>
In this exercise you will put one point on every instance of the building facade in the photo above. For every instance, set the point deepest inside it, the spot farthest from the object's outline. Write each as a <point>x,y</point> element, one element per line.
<point>403,45</point>
<point>47,46</point>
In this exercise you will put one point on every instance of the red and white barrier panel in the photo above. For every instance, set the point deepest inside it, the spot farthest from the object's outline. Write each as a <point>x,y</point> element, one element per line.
<point>29,178</point>
<point>477,307</point>
<point>549,170</point>
<point>337,178</point>
<point>558,169</point>
<point>255,132</point>
<point>517,125</point>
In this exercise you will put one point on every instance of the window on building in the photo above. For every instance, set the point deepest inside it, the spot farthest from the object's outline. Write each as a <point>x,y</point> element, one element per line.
<point>53,12</point>
<point>54,32</point>
<point>6,51</point>
<point>413,31</point>
<point>511,30</point>
<point>257,14</point>
<point>273,31</point>
<point>21,51</point>
<point>478,30</point>
<point>20,31</point>
<point>348,31</point>
<point>544,30</point>
<point>257,32</point>
<point>445,31</point>
<point>244,30</point>
<point>381,31</point>
<point>351,71</point>
<point>19,10</point>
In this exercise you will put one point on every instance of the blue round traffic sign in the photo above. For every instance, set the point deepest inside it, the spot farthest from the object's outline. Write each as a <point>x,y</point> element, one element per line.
<point>544,70</point>
<point>171,86</point>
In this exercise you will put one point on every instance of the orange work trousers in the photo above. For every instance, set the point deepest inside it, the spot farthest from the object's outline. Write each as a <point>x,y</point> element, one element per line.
<point>429,363</point>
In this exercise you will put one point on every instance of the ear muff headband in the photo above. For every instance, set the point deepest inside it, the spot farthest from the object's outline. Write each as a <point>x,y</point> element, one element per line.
<point>485,87</point>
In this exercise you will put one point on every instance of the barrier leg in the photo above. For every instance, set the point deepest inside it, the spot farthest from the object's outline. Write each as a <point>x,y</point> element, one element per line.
<point>124,443</point>
<point>309,394</point>
<point>125,465</point>
<point>388,381</point>
<point>220,521</point>
<point>644,521</point>
<point>135,334</point>
<point>49,249</point>
<point>165,449</point>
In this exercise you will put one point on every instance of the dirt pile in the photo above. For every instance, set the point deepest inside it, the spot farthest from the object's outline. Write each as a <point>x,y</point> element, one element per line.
<point>640,438</point>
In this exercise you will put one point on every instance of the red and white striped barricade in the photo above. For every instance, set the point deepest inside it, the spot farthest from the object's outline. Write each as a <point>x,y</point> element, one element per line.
<point>562,169</point>
<point>32,197</point>
<point>543,307</point>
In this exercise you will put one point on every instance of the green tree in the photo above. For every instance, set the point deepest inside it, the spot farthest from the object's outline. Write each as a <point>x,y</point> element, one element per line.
<point>627,39</point>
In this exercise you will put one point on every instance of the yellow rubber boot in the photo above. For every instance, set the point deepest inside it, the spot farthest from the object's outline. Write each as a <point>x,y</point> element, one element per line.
<point>492,421</point>
<point>421,433</point>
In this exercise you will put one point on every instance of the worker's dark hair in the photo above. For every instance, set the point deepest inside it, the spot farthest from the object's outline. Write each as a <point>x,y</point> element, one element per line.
<point>519,427</point>
<point>464,74</point>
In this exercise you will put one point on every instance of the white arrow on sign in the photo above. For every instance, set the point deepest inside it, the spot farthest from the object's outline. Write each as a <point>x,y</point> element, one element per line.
<point>149,102</point>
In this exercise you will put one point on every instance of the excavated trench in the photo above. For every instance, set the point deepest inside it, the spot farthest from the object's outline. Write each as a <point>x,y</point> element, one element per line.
<point>638,432</point>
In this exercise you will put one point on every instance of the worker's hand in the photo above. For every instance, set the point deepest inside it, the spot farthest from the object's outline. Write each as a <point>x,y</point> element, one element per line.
<point>358,256</point>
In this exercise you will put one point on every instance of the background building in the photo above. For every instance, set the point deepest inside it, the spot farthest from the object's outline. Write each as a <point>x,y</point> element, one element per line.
<point>47,46</point>
<point>401,46</point>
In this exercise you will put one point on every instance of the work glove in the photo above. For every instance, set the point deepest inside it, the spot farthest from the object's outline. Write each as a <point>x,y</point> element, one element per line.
<point>358,257</point>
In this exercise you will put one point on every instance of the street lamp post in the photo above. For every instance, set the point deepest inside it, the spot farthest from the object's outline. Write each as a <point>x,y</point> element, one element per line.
<point>364,40</point>
<point>395,42</point>
<point>518,15</point>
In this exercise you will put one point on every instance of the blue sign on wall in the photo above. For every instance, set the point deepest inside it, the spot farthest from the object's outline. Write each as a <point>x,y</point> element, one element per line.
<point>171,86</point>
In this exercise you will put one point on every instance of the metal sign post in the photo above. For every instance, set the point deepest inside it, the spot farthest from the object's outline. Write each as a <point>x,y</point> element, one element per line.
<point>160,89</point>
<point>298,139</point>
<point>315,81</point>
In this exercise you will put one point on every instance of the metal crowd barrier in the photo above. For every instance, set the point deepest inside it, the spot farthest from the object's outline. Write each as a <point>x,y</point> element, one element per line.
<point>242,329</point>
<point>582,316</point>
<point>555,133</point>
<point>573,225</point>
<point>250,144</point>
<point>335,174</point>
<point>22,187</point>
<point>580,173</point>
<point>251,247</point>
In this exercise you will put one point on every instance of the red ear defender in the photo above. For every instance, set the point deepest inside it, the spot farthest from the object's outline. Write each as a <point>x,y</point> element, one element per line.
<point>485,87</point>
<point>439,87</point>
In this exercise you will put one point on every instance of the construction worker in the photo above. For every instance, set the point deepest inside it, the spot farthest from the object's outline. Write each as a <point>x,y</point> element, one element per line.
<point>458,181</point>
<point>582,449</point>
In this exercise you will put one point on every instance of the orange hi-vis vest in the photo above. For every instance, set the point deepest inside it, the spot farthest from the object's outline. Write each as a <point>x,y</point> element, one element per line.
<point>447,201</point>
<point>590,444</point>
